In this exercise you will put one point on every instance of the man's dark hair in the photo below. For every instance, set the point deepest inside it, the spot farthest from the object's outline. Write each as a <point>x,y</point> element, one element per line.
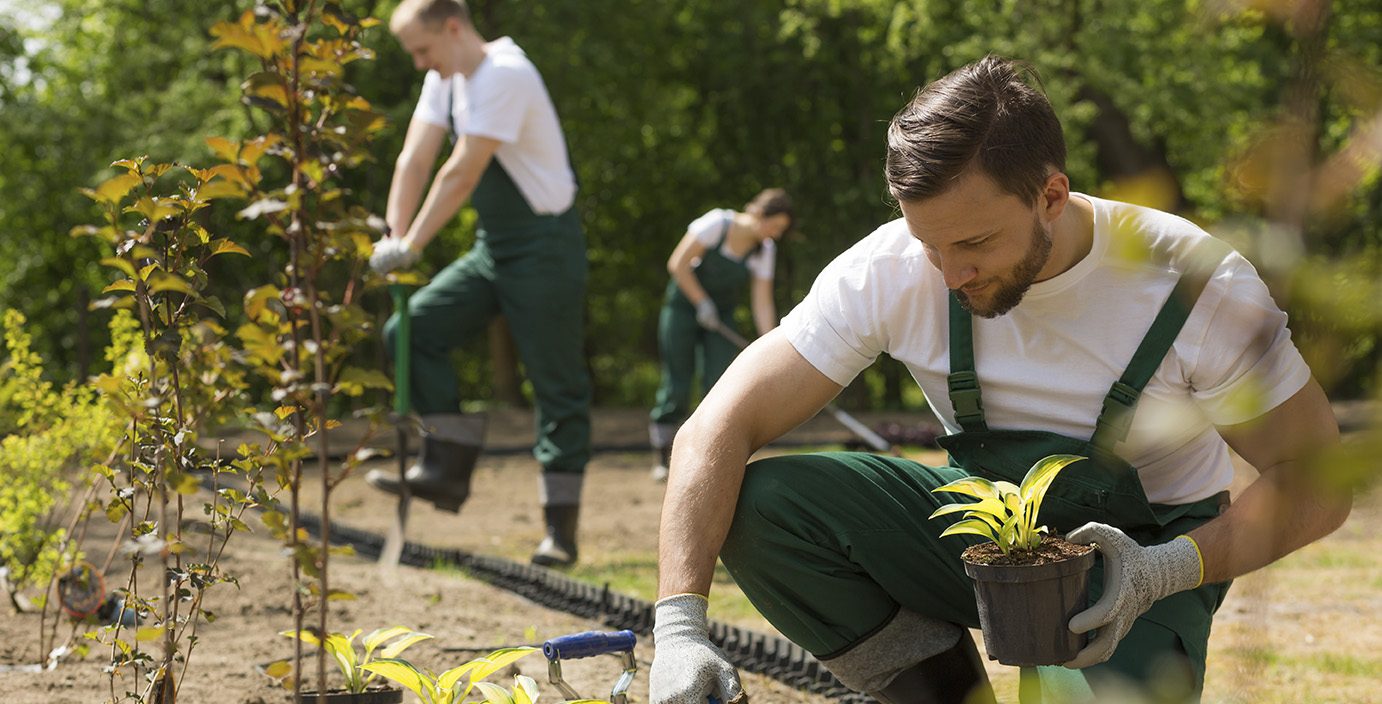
<point>982,111</point>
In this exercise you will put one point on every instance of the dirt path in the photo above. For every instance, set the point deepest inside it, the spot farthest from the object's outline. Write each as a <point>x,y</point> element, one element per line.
<point>1306,629</point>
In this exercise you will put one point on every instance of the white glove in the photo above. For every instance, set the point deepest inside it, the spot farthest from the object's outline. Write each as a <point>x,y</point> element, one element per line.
<point>1135,577</point>
<point>707,315</point>
<point>390,253</point>
<point>687,667</point>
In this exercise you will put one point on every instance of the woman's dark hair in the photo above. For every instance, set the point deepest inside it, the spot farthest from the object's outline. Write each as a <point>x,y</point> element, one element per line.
<point>984,112</point>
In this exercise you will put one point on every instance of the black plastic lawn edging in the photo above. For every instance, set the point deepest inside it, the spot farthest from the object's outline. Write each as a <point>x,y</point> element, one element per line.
<point>767,655</point>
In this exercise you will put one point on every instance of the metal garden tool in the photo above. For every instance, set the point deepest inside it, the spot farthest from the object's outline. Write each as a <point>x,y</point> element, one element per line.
<point>589,644</point>
<point>870,438</point>
<point>392,551</point>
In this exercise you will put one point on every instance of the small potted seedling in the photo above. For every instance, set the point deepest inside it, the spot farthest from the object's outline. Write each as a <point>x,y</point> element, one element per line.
<point>1027,583</point>
<point>359,681</point>
<point>455,684</point>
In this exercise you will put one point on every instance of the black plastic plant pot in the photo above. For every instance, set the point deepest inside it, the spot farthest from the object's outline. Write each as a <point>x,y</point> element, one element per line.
<point>340,696</point>
<point>1025,610</point>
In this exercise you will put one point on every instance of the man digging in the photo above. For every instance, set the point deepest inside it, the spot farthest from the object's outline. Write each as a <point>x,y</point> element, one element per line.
<point>528,262</point>
<point>1036,321</point>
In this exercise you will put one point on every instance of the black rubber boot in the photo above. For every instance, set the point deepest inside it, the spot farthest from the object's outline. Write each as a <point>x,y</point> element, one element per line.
<point>955,676</point>
<point>441,474</point>
<point>558,549</point>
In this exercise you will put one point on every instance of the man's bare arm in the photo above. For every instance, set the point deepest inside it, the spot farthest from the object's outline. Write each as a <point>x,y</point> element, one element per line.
<point>421,146</point>
<point>762,305</point>
<point>452,187</point>
<point>767,391</point>
<point>1292,503</point>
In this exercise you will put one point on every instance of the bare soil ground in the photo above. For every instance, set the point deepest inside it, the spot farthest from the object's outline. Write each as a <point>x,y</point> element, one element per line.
<point>1304,630</point>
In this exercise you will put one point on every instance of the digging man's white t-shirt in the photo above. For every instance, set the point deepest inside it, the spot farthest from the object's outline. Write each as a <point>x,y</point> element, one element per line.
<point>1048,363</point>
<point>506,100</point>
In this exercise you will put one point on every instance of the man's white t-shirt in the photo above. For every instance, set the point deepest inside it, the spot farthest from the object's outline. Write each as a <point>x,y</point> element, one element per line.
<point>506,100</point>
<point>709,230</point>
<point>1048,363</point>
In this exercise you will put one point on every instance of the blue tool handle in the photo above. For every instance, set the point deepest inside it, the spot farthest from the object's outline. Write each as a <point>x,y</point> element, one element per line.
<point>588,644</point>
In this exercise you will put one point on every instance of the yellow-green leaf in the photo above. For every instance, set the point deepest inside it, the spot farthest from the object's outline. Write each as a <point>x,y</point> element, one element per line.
<point>354,380</point>
<point>221,188</point>
<point>447,680</point>
<point>500,659</point>
<point>224,148</point>
<point>257,298</point>
<point>227,247</point>
<point>405,675</point>
<point>978,487</point>
<point>113,189</point>
<point>121,285</point>
<point>971,527</point>
<point>402,644</point>
<point>278,669</point>
<point>155,209</point>
<point>494,694</point>
<point>121,264</point>
<point>163,281</point>
<point>148,633</point>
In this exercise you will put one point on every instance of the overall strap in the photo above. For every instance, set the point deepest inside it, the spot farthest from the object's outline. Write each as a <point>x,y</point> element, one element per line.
<point>962,382</point>
<point>1115,419</point>
<point>724,230</point>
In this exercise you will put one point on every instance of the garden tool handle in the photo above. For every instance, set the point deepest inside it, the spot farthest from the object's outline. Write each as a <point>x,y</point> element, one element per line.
<point>401,403</point>
<point>588,644</point>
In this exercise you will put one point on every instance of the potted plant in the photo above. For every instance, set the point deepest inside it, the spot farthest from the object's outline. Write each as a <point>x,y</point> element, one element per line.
<point>1027,583</point>
<point>448,687</point>
<point>389,642</point>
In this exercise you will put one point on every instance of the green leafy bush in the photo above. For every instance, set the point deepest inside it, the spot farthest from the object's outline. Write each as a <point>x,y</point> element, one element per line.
<point>51,433</point>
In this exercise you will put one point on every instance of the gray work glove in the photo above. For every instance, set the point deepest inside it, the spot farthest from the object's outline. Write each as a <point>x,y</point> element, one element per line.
<point>1135,577</point>
<point>687,667</point>
<point>391,254</point>
<point>707,315</point>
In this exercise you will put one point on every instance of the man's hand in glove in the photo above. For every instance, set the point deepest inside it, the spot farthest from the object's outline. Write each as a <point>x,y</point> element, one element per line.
<point>1135,577</point>
<point>391,254</point>
<point>687,667</point>
<point>707,315</point>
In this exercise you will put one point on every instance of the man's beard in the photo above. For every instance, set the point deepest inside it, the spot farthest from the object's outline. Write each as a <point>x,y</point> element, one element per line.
<point>1009,291</point>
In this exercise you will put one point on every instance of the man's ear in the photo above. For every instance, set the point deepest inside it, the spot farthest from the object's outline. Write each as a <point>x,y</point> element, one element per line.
<point>1055,194</point>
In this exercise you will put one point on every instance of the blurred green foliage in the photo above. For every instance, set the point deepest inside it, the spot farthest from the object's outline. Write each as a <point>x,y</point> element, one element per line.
<point>672,108</point>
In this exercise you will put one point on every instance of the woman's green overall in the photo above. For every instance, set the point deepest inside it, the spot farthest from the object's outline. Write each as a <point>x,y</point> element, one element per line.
<point>681,339</point>
<point>531,269</point>
<point>830,546</point>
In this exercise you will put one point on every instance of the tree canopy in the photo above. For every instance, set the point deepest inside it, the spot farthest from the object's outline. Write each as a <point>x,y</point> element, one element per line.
<point>1226,112</point>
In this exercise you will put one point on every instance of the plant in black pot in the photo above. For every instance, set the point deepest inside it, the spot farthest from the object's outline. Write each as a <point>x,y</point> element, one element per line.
<point>1027,582</point>
<point>360,684</point>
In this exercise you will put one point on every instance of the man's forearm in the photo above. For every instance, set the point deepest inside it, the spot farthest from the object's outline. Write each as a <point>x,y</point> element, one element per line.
<point>701,495</point>
<point>449,190</point>
<point>405,193</point>
<point>1286,509</point>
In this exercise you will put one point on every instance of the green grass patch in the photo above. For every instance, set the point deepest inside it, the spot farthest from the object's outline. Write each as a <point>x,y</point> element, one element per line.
<point>1328,663</point>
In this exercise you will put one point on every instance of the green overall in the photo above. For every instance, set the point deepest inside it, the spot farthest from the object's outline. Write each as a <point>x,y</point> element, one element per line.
<point>531,269</point>
<point>830,546</point>
<point>681,339</point>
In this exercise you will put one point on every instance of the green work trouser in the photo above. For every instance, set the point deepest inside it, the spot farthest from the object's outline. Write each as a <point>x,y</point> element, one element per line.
<point>829,546</point>
<point>541,293</point>
<point>685,345</point>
